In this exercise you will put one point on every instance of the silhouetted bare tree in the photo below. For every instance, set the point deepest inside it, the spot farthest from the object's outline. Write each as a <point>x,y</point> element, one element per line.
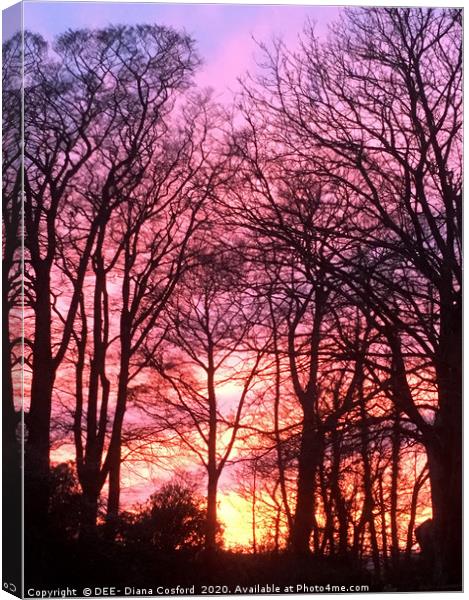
<point>375,114</point>
<point>209,326</point>
<point>280,289</point>
<point>89,129</point>
<point>12,335</point>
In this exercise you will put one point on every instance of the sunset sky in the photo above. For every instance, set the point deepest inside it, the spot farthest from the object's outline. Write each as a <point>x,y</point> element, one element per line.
<point>226,37</point>
<point>225,33</point>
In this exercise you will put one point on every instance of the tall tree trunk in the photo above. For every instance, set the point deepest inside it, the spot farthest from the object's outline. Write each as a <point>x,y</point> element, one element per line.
<point>446,492</point>
<point>368,500</point>
<point>445,449</point>
<point>316,531</point>
<point>413,510</point>
<point>396,450</point>
<point>212,470</point>
<point>253,509</point>
<point>113,459</point>
<point>307,465</point>
<point>384,534</point>
<point>278,439</point>
<point>112,463</point>
<point>278,514</point>
<point>113,501</point>
<point>336,492</point>
<point>328,510</point>
<point>90,498</point>
<point>37,454</point>
<point>211,533</point>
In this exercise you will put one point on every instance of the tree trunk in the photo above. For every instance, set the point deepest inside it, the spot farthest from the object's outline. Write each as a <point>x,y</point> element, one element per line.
<point>277,530</point>
<point>212,470</point>
<point>114,493</point>
<point>38,441</point>
<point>396,448</point>
<point>278,439</point>
<point>382,510</point>
<point>113,459</point>
<point>211,533</point>
<point>253,509</point>
<point>307,465</point>
<point>413,511</point>
<point>341,509</point>
<point>446,490</point>
<point>445,449</point>
<point>368,500</point>
<point>328,510</point>
<point>89,514</point>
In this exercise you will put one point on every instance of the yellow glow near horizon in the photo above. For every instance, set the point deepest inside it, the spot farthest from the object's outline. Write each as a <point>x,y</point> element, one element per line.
<point>234,512</point>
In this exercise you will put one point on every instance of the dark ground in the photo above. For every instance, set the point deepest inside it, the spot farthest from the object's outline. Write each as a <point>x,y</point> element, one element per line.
<point>106,564</point>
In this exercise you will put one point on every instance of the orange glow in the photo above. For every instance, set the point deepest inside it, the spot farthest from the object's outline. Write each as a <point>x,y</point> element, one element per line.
<point>235,515</point>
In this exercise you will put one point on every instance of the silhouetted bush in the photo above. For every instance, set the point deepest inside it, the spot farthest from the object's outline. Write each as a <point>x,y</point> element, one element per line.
<point>172,519</point>
<point>65,501</point>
